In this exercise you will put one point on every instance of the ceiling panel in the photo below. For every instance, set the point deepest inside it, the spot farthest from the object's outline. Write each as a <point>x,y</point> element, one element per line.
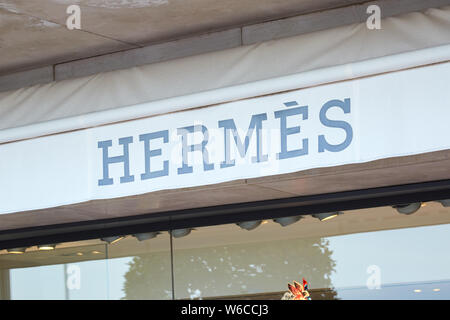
<point>33,32</point>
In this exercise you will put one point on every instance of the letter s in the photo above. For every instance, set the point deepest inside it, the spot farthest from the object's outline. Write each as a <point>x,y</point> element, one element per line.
<point>345,106</point>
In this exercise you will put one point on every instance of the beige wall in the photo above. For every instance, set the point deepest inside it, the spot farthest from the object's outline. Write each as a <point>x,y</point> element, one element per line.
<point>387,172</point>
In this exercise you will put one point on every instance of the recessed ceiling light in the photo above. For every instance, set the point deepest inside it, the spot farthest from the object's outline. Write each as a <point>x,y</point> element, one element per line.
<point>146,236</point>
<point>249,225</point>
<point>445,202</point>
<point>178,233</point>
<point>326,215</point>
<point>417,290</point>
<point>436,290</point>
<point>285,221</point>
<point>47,247</point>
<point>112,240</point>
<point>16,250</point>
<point>408,208</point>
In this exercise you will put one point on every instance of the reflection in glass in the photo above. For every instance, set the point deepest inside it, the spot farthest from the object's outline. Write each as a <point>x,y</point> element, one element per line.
<point>374,253</point>
<point>143,279</point>
<point>141,269</point>
<point>89,270</point>
<point>251,268</point>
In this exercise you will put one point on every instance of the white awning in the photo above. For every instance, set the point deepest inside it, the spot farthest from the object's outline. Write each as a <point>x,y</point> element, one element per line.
<point>388,114</point>
<point>243,65</point>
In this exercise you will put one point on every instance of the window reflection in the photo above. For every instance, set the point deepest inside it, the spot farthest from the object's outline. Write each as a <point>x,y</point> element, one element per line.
<point>375,253</point>
<point>372,253</point>
<point>251,268</point>
<point>89,270</point>
<point>141,269</point>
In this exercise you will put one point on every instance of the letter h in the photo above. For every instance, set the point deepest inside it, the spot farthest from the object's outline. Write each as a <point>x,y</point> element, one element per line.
<point>107,160</point>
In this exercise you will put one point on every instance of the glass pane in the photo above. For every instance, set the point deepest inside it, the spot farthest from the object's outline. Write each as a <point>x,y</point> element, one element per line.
<point>373,253</point>
<point>140,269</point>
<point>71,271</point>
<point>127,269</point>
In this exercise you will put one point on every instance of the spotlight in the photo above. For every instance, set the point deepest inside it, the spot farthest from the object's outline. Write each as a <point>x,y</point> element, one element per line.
<point>178,233</point>
<point>445,202</point>
<point>146,236</point>
<point>326,215</point>
<point>285,221</point>
<point>16,250</point>
<point>46,247</point>
<point>408,208</point>
<point>112,240</point>
<point>249,225</point>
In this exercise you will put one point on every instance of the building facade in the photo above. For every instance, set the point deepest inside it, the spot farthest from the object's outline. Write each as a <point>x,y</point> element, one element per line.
<point>307,141</point>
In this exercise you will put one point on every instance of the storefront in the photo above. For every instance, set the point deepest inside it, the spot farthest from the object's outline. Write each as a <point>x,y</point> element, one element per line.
<point>374,253</point>
<point>230,182</point>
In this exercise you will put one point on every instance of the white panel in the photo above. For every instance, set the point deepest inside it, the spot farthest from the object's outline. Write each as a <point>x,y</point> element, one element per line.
<point>394,114</point>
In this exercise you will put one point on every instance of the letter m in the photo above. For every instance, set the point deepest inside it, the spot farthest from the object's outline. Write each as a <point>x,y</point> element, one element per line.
<point>230,127</point>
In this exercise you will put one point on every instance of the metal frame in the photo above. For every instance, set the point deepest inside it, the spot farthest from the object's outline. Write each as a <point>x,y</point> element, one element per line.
<point>215,215</point>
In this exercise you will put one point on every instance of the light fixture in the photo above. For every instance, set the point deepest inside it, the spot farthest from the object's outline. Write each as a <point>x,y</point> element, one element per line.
<point>285,221</point>
<point>146,236</point>
<point>112,240</point>
<point>178,233</point>
<point>16,250</point>
<point>417,290</point>
<point>249,225</point>
<point>326,215</point>
<point>46,247</point>
<point>408,208</point>
<point>445,202</point>
<point>436,290</point>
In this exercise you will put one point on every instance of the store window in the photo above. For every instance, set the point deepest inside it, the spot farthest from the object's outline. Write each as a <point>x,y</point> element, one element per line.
<point>119,268</point>
<point>375,253</point>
